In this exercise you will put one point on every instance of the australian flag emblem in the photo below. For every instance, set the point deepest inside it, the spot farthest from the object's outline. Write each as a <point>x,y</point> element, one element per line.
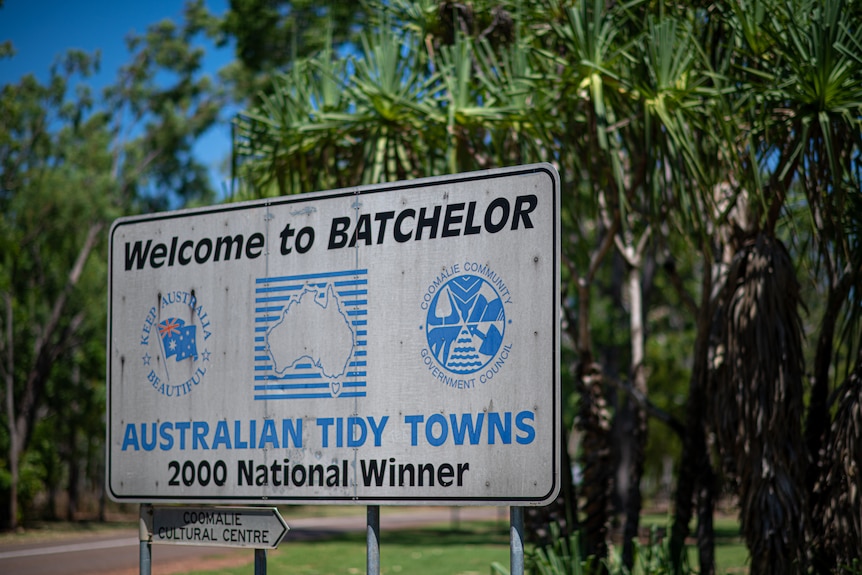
<point>178,339</point>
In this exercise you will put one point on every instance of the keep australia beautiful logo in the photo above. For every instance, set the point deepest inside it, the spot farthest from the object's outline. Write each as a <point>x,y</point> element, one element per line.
<point>174,341</point>
<point>465,325</point>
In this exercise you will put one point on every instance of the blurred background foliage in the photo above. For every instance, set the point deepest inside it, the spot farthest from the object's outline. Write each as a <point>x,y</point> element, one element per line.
<point>710,161</point>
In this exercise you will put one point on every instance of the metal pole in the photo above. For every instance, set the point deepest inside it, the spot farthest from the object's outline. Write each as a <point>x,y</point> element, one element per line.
<point>373,540</point>
<point>146,539</point>
<point>260,562</point>
<point>516,551</point>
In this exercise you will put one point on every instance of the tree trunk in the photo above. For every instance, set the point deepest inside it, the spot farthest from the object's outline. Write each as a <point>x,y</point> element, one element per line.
<point>757,402</point>
<point>705,514</point>
<point>837,518</point>
<point>14,442</point>
<point>21,424</point>
<point>639,429</point>
<point>594,424</point>
<point>74,477</point>
<point>695,468</point>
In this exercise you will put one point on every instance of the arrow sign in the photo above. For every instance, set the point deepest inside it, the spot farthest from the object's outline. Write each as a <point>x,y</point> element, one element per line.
<point>254,527</point>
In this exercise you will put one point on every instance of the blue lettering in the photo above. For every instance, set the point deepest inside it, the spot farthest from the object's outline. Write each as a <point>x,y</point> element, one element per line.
<point>222,436</point>
<point>294,432</point>
<point>130,438</point>
<point>324,423</point>
<point>167,439</point>
<point>200,430</point>
<point>466,426</point>
<point>268,435</point>
<point>377,429</point>
<point>182,427</point>
<point>148,445</point>
<point>352,424</point>
<point>503,427</point>
<point>429,430</point>
<point>414,421</point>
<point>237,439</point>
<point>522,425</point>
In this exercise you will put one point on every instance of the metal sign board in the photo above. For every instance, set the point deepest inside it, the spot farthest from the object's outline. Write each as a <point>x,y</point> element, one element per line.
<point>388,344</point>
<point>254,527</point>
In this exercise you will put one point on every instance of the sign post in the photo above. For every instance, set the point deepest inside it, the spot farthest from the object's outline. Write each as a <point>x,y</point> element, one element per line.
<point>395,344</point>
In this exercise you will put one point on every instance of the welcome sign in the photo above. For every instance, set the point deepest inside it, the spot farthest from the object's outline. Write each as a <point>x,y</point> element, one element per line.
<point>391,344</point>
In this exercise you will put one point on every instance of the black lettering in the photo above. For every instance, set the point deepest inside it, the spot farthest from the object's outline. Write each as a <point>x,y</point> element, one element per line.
<point>228,242</point>
<point>523,206</point>
<point>304,239</point>
<point>244,470</point>
<point>406,469</point>
<point>204,243</point>
<point>451,219</point>
<point>338,233</point>
<point>315,470</point>
<point>400,236</point>
<point>158,255</point>
<point>182,258</point>
<point>431,222</point>
<point>445,473</point>
<point>275,469</point>
<point>462,468</point>
<point>298,475</point>
<point>175,466</point>
<point>382,217</point>
<point>372,472</point>
<point>261,478</point>
<point>138,255</point>
<point>429,469</point>
<point>503,204</point>
<point>362,230</point>
<point>286,234</point>
<point>470,228</point>
<point>254,246</point>
<point>173,251</point>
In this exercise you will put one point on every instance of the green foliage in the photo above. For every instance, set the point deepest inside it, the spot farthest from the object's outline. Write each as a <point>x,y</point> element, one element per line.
<point>160,105</point>
<point>70,162</point>
<point>564,556</point>
<point>680,132</point>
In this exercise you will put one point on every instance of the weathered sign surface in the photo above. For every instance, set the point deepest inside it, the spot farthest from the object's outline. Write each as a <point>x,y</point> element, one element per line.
<point>252,527</point>
<point>391,344</point>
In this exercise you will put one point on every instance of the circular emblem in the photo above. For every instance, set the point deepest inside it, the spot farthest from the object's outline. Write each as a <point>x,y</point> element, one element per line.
<point>465,324</point>
<point>175,336</point>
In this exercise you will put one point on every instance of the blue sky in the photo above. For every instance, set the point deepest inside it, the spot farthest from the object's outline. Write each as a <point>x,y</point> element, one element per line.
<point>42,30</point>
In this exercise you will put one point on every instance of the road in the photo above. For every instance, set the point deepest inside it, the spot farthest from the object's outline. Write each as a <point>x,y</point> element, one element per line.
<point>117,552</point>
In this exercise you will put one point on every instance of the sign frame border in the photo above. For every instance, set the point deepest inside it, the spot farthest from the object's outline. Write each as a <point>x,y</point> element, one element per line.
<point>358,191</point>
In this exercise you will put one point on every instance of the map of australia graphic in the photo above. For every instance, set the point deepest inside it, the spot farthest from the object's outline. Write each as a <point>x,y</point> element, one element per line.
<point>329,346</point>
<point>310,336</point>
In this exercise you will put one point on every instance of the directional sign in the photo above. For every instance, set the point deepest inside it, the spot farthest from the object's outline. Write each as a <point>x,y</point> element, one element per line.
<point>388,344</point>
<point>256,527</point>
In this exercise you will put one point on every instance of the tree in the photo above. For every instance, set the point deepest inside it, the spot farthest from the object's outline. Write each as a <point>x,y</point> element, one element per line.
<point>700,132</point>
<point>53,187</point>
<point>70,163</point>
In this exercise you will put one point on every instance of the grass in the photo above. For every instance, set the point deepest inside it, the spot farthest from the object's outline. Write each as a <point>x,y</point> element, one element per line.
<point>731,554</point>
<point>439,550</point>
<point>427,551</point>
<point>38,531</point>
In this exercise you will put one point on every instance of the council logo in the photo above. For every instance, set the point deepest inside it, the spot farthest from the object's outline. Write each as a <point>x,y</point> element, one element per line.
<point>175,339</point>
<point>465,325</point>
